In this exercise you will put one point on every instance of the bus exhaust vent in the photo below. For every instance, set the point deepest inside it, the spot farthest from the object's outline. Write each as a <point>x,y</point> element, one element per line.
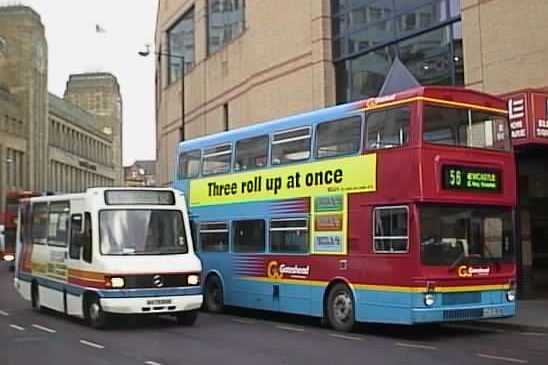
<point>462,314</point>
<point>461,298</point>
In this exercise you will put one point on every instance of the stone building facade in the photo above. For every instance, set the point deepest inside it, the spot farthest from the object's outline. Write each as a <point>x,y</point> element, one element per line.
<point>48,143</point>
<point>140,173</point>
<point>250,61</point>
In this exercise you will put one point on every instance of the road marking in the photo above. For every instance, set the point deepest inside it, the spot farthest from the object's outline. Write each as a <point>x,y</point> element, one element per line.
<point>152,363</point>
<point>92,344</point>
<point>502,358</point>
<point>42,328</point>
<point>19,328</point>
<point>416,346</point>
<point>2,313</point>
<point>346,337</point>
<point>290,328</point>
<point>244,321</point>
<point>532,334</point>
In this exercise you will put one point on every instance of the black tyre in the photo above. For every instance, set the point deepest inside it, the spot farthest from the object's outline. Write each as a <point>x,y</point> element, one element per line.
<point>187,318</point>
<point>35,297</point>
<point>95,315</point>
<point>214,301</point>
<point>340,308</point>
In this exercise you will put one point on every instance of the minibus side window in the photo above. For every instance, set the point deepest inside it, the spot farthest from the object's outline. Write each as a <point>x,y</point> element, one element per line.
<point>87,239</point>
<point>75,235</point>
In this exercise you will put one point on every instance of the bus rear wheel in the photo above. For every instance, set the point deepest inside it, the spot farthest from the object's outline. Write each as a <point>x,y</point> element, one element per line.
<point>95,315</point>
<point>187,318</point>
<point>214,295</point>
<point>340,308</point>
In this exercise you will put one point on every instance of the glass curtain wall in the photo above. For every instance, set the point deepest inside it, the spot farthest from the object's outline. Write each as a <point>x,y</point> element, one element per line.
<point>368,34</point>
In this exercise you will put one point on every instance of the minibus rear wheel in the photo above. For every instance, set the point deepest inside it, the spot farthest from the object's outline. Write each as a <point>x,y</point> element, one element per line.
<point>35,296</point>
<point>187,318</point>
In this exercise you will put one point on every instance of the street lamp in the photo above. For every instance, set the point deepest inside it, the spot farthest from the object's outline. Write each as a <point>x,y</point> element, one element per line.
<point>147,52</point>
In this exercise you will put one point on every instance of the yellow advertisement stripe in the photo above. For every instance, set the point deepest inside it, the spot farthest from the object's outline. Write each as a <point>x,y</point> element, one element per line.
<point>341,175</point>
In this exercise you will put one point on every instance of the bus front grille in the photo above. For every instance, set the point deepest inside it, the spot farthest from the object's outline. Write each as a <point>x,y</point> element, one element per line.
<point>462,314</point>
<point>461,298</point>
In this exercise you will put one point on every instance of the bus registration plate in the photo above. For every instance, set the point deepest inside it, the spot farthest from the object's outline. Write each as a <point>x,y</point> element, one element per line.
<point>492,312</point>
<point>158,301</point>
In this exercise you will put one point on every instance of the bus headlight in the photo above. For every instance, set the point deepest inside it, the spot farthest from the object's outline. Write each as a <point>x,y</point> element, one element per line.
<point>117,282</point>
<point>511,295</point>
<point>429,299</point>
<point>193,279</point>
<point>9,258</point>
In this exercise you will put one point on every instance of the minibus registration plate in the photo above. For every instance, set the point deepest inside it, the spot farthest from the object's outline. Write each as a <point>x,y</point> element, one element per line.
<point>158,301</point>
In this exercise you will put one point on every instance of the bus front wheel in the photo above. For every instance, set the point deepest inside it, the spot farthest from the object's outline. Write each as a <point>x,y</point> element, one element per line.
<point>214,295</point>
<point>340,308</point>
<point>95,315</point>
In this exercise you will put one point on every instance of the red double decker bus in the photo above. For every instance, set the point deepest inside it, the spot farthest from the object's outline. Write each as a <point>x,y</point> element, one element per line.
<point>10,223</point>
<point>396,209</point>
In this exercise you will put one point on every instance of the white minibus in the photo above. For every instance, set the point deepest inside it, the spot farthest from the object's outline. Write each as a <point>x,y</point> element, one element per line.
<point>109,251</point>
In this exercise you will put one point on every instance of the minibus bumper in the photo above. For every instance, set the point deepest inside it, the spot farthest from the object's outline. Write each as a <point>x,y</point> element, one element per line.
<point>145,302</point>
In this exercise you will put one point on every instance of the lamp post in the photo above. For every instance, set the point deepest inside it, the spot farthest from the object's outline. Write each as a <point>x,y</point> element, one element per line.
<point>147,52</point>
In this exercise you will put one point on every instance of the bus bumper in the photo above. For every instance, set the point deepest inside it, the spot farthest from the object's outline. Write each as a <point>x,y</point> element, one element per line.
<point>151,305</point>
<point>441,314</point>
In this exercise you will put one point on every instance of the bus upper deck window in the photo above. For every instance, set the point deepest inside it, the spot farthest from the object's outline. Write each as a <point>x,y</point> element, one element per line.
<point>251,153</point>
<point>189,164</point>
<point>388,128</point>
<point>290,146</point>
<point>217,160</point>
<point>338,137</point>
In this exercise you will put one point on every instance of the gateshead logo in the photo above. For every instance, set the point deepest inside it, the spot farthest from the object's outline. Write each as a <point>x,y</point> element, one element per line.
<point>469,271</point>
<point>277,271</point>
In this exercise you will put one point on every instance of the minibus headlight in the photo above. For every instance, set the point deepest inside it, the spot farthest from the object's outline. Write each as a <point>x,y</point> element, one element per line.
<point>193,279</point>
<point>9,258</point>
<point>429,299</point>
<point>117,282</point>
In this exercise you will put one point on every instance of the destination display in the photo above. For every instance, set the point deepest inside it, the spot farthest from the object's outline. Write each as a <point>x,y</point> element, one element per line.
<point>471,179</point>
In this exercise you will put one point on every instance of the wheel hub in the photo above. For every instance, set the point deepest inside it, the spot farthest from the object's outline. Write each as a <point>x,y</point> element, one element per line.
<point>342,306</point>
<point>94,311</point>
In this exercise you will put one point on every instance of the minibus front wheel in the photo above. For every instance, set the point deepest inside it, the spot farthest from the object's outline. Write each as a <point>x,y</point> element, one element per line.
<point>187,318</point>
<point>95,315</point>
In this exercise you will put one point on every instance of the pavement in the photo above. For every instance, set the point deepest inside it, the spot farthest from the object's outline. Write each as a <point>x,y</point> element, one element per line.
<point>532,315</point>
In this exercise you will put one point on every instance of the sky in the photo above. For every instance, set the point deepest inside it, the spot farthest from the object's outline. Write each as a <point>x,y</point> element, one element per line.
<point>75,46</point>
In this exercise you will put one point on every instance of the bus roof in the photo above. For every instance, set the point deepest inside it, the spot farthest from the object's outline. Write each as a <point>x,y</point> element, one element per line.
<point>95,192</point>
<point>458,95</point>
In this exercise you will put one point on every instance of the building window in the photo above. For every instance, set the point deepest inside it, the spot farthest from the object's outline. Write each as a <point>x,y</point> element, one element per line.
<point>180,38</point>
<point>225,117</point>
<point>217,160</point>
<point>339,137</point>
<point>390,232</point>
<point>251,153</point>
<point>388,128</point>
<point>249,235</point>
<point>225,21</point>
<point>368,35</point>
<point>291,146</point>
<point>289,235</point>
<point>214,237</point>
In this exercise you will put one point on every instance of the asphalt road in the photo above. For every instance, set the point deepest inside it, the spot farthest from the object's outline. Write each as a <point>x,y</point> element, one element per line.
<point>248,337</point>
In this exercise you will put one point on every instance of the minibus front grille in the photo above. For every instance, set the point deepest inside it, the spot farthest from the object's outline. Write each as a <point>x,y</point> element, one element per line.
<point>155,281</point>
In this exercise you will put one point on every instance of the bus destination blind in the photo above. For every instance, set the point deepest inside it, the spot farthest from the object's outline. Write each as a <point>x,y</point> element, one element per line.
<point>467,178</point>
